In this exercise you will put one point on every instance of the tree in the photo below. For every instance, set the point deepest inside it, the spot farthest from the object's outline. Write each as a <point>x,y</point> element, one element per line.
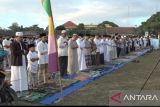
<point>14,27</point>
<point>34,28</point>
<point>152,25</point>
<point>61,27</point>
<point>102,25</point>
<point>80,26</point>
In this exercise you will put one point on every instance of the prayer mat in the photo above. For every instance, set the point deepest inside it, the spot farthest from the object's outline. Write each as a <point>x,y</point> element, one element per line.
<point>81,78</point>
<point>124,57</point>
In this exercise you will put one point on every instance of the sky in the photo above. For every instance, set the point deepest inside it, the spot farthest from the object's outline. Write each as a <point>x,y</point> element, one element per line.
<point>122,12</point>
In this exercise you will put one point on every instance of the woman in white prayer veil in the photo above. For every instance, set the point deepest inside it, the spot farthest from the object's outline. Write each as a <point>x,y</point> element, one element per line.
<point>81,56</point>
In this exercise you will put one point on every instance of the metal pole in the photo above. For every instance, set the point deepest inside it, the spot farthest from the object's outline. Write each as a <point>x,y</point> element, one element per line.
<point>61,87</point>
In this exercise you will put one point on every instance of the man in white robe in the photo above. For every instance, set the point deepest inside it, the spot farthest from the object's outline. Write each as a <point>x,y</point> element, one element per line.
<point>105,48</point>
<point>81,55</point>
<point>42,48</point>
<point>18,64</point>
<point>6,45</point>
<point>141,42</point>
<point>109,49</point>
<point>63,53</point>
<point>136,44</point>
<point>73,55</point>
<point>114,49</point>
<point>87,51</point>
<point>145,42</point>
<point>37,39</point>
<point>98,44</point>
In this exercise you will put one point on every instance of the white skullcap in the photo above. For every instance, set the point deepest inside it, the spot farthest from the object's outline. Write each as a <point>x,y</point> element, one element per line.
<point>74,34</point>
<point>63,31</point>
<point>19,33</point>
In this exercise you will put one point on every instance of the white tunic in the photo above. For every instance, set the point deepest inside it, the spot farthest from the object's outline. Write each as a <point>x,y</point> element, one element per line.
<point>41,48</point>
<point>98,44</point>
<point>145,42</point>
<point>6,42</point>
<point>62,46</point>
<point>102,42</point>
<point>105,50</point>
<point>109,50</point>
<point>136,43</point>
<point>36,42</point>
<point>114,49</point>
<point>141,42</point>
<point>81,56</point>
<point>32,66</point>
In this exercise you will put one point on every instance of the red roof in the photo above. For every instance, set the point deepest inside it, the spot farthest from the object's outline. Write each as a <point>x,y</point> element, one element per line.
<point>121,30</point>
<point>70,24</point>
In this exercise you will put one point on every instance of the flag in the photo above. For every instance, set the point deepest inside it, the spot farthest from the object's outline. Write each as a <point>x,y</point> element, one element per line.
<point>52,45</point>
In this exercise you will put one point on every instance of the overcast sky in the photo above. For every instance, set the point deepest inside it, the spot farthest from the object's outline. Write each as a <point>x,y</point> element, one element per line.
<point>122,12</point>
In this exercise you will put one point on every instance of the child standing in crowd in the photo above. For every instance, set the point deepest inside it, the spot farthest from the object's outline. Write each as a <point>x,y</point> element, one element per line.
<point>32,66</point>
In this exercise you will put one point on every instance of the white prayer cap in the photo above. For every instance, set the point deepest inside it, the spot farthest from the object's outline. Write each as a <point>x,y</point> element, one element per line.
<point>63,31</point>
<point>75,34</point>
<point>19,33</point>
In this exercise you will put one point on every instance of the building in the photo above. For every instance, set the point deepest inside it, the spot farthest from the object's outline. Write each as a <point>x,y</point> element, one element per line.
<point>108,26</point>
<point>69,25</point>
<point>121,30</point>
<point>90,26</point>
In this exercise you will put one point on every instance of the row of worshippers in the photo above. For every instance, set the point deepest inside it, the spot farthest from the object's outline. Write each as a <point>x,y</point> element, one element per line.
<point>78,53</point>
<point>75,54</point>
<point>29,63</point>
<point>126,45</point>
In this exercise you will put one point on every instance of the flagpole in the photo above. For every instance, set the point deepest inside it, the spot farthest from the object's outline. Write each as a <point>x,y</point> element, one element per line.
<point>52,47</point>
<point>61,88</point>
<point>60,79</point>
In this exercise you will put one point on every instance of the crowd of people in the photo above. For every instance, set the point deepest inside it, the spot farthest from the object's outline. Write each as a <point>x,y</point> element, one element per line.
<point>28,60</point>
<point>82,51</point>
<point>28,57</point>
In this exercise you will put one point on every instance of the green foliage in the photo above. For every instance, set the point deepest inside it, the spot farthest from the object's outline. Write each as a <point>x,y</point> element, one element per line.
<point>14,27</point>
<point>100,30</point>
<point>152,25</point>
<point>61,27</point>
<point>80,26</point>
<point>78,31</point>
<point>102,25</point>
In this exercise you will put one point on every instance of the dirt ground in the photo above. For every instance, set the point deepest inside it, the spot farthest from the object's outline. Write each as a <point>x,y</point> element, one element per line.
<point>130,77</point>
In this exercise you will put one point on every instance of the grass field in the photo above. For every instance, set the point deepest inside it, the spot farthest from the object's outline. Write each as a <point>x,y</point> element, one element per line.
<point>130,77</point>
